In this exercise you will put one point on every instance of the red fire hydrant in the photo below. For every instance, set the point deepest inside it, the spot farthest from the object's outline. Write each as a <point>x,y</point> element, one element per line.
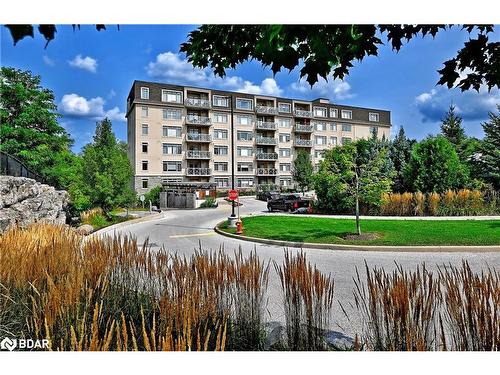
<point>239,227</point>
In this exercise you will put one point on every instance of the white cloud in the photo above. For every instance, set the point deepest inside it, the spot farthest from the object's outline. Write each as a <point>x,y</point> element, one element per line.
<point>111,94</point>
<point>74,105</point>
<point>87,63</point>
<point>171,67</point>
<point>48,61</point>
<point>470,105</point>
<point>332,89</point>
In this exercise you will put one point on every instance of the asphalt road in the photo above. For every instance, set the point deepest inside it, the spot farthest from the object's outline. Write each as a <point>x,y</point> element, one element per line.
<point>184,230</point>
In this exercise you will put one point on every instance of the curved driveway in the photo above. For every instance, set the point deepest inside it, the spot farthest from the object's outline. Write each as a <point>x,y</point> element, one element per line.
<point>184,230</point>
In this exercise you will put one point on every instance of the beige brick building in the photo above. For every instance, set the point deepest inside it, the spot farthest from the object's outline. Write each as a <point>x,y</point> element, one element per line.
<point>183,134</point>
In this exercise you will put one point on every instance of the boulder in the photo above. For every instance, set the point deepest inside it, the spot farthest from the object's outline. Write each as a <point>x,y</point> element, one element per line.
<point>24,201</point>
<point>85,229</point>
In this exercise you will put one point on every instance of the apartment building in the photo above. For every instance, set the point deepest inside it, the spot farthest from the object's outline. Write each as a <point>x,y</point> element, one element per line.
<point>184,134</point>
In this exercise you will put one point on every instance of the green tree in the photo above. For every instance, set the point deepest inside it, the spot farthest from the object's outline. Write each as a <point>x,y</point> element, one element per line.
<point>400,152</point>
<point>490,150</point>
<point>302,170</point>
<point>451,128</point>
<point>435,166</point>
<point>106,170</point>
<point>29,129</point>
<point>325,50</point>
<point>347,178</point>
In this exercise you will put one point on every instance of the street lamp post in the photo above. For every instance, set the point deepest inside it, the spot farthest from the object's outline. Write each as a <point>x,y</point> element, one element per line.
<point>232,218</point>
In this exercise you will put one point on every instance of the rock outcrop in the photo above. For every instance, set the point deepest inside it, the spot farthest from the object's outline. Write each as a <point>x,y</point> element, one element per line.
<point>24,201</point>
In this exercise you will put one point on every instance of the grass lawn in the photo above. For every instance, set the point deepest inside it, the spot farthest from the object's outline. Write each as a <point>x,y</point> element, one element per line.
<point>391,232</point>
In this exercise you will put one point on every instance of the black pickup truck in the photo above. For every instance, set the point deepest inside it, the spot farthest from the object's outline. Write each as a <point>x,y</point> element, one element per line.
<point>288,202</point>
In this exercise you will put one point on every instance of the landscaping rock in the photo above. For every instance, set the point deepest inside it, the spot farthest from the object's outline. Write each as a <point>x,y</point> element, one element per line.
<point>85,229</point>
<point>24,201</point>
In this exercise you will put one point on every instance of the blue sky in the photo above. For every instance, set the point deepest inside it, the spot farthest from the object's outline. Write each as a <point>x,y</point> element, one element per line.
<point>91,74</point>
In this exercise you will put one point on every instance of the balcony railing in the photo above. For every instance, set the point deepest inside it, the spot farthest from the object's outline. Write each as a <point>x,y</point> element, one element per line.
<point>303,143</point>
<point>197,103</point>
<point>263,125</point>
<point>304,128</point>
<point>267,171</point>
<point>197,137</point>
<point>267,110</point>
<point>198,120</point>
<point>265,141</point>
<point>198,171</point>
<point>195,154</point>
<point>266,156</point>
<point>302,113</point>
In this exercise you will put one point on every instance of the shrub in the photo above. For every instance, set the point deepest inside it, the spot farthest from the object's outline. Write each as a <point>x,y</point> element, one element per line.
<point>433,200</point>
<point>210,202</point>
<point>87,216</point>
<point>308,299</point>
<point>406,204</point>
<point>153,195</point>
<point>419,202</point>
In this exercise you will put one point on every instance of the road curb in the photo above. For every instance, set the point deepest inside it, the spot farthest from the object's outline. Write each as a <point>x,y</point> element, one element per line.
<point>127,223</point>
<point>312,245</point>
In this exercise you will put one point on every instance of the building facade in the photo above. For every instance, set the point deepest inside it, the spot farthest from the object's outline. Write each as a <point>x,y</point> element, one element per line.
<point>183,134</point>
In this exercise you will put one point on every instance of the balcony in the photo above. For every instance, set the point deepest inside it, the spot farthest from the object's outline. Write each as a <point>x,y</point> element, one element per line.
<point>197,137</point>
<point>195,154</point>
<point>266,110</point>
<point>266,156</point>
<point>303,143</point>
<point>198,171</point>
<point>303,128</point>
<point>265,141</point>
<point>267,171</point>
<point>198,120</point>
<point>263,125</point>
<point>197,103</point>
<point>302,113</point>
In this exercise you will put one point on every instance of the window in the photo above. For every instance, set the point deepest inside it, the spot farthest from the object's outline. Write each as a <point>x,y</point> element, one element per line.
<point>244,120</point>
<point>319,153</point>
<point>220,117</point>
<point>220,101</point>
<point>284,137</point>
<point>172,166</point>
<point>245,167</point>
<point>144,183</point>
<point>333,141</point>
<point>333,127</point>
<point>346,140</point>
<point>284,152</point>
<point>220,133</point>
<point>373,117</point>
<point>145,129</point>
<point>172,131</point>
<point>346,114</point>
<point>145,148</point>
<point>320,140</point>
<point>171,96</point>
<point>284,107</point>
<point>222,182</point>
<point>145,111</point>
<point>285,181</point>
<point>334,112</point>
<point>172,114</point>
<point>244,151</point>
<point>144,165</point>
<point>374,130</point>
<point>244,136</point>
<point>144,93</point>
<point>244,104</point>
<point>346,128</point>
<point>319,112</point>
<point>220,150</point>
<point>172,149</point>
<point>245,182</point>
<point>284,122</point>
<point>220,167</point>
<point>320,126</point>
<point>285,167</point>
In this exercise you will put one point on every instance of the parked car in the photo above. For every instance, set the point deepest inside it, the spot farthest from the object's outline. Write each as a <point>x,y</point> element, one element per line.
<point>288,202</point>
<point>267,195</point>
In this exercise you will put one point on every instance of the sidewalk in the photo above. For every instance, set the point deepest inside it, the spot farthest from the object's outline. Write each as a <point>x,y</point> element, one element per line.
<point>494,217</point>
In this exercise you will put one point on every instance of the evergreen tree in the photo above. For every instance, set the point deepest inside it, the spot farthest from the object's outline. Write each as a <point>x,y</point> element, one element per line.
<point>490,150</point>
<point>303,170</point>
<point>400,153</point>
<point>451,127</point>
